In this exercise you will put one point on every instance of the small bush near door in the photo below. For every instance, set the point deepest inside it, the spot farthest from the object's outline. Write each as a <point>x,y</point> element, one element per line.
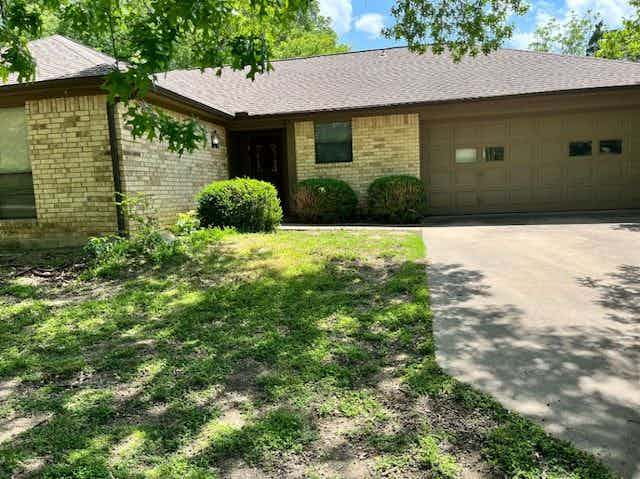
<point>325,200</point>
<point>397,199</point>
<point>242,203</point>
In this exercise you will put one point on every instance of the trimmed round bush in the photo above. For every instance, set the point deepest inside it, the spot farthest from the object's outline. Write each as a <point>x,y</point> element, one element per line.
<point>397,199</point>
<point>245,204</point>
<point>325,200</point>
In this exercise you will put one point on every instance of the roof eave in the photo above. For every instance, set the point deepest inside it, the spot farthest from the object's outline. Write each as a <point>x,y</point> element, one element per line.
<point>66,86</point>
<point>193,103</point>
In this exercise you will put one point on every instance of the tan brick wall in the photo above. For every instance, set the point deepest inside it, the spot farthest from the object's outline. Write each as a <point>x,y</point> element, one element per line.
<point>382,145</point>
<point>170,181</point>
<point>68,142</point>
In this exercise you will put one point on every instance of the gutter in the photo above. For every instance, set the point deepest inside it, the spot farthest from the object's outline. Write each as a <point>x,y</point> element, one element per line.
<point>115,166</point>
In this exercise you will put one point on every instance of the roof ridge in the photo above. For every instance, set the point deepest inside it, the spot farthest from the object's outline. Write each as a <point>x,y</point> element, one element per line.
<point>81,45</point>
<point>397,47</point>
<point>568,55</point>
<point>334,54</point>
<point>405,47</point>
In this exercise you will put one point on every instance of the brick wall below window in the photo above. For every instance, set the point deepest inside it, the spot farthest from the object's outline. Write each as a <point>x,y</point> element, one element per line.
<point>382,145</point>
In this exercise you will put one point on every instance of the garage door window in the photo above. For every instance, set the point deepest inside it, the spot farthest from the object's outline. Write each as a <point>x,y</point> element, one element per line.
<point>17,199</point>
<point>580,148</point>
<point>333,142</point>
<point>611,147</point>
<point>494,153</point>
<point>466,155</point>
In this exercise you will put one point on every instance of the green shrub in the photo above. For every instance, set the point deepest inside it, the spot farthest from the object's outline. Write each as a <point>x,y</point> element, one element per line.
<point>397,199</point>
<point>242,203</point>
<point>325,200</point>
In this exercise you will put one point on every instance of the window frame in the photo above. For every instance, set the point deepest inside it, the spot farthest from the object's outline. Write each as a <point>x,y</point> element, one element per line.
<point>460,148</point>
<point>586,142</point>
<point>485,156</point>
<point>347,144</point>
<point>612,153</point>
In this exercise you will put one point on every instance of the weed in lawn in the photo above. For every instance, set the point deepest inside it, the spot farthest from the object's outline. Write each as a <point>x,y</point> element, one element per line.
<point>429,453</point>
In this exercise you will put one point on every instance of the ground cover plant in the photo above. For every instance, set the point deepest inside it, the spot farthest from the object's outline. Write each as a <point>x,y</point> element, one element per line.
<point>294,354</point>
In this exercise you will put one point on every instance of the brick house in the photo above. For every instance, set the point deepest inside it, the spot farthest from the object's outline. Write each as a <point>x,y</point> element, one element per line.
<point>508,132</point>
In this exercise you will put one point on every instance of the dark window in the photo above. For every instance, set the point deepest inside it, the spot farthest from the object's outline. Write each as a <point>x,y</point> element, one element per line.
<point>494,153</point>
<point>613,147</point>
<point>16,183</point>
<point>17,199</point>
<point>580,148</point>
<point>333,142</point>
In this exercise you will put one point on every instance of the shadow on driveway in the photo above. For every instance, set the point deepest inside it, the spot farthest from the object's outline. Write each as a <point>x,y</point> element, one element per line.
<point>579,381</point>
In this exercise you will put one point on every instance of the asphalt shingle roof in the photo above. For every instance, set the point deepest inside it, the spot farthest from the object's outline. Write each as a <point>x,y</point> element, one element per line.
<point>393,76</point>
<point>396,76</point>
<point>59,57</point>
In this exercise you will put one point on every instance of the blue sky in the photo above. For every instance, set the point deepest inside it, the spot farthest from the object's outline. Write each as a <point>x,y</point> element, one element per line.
<point>358,22</point>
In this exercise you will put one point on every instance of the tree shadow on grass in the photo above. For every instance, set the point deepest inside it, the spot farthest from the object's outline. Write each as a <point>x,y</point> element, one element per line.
<point>187,371</point>
<point>579,382</point>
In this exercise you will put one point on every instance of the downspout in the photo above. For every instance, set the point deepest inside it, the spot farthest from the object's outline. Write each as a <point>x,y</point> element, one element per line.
<point>115,165</point>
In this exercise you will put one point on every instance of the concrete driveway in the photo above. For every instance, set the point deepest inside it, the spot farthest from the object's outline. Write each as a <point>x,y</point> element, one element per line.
<point>546,318</point>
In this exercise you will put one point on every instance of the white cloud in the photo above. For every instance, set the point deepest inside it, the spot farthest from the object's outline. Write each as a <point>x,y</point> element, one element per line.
<point>520,40</point>
<point>339,11</point>
<point>370,23</point>
<point>612,11</point>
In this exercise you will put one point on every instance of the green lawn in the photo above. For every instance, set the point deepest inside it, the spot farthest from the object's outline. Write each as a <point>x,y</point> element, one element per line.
<point>283,355</point>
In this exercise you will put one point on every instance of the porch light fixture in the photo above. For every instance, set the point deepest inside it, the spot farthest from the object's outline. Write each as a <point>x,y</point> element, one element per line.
<point>215,139</point>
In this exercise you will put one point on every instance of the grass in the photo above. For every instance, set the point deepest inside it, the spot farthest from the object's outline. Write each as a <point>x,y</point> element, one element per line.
<point>284,355</point>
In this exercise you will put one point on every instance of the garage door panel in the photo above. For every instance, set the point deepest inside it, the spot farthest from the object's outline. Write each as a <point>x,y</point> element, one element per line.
<point>439,180</point>
<point>439,156</point>
<point>577,195</point>
<point>634,158</point>
<point>466,199</point>
<point>613,125</point>
<point>466,176</point>
<point>521,152</point>
<point>440,200</point>
<point>580,172</point>
<point>550,175</point>
<point>494,131</point>
<point>609,195</point>
<point>610,172</point>
<point>492,177</point>
<point>580,126</point>
<point>548,195</point>
<point>493,199</point>
<point>463,134</point>
<point>521,128</point>
<point>521,197</point>
<point>439,134</point>
<point>553,152</point>
<point>549,126</point>
<point>521,175</point>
